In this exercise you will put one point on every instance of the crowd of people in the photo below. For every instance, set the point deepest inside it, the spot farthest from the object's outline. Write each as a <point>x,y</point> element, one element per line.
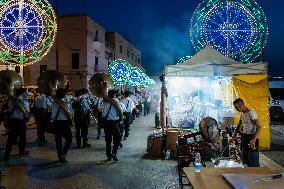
<point>57,114</point>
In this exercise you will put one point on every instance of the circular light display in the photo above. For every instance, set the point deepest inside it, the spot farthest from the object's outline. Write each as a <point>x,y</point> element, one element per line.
<point>27,30</point>
<point>134,77</point>
<point>237,29</point>
<point>119,71</point>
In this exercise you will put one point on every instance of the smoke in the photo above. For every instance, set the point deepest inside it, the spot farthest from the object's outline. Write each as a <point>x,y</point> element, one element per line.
<point>163,46</point>
<point>164,38</point>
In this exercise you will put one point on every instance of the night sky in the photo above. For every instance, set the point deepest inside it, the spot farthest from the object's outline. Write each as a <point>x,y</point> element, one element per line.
<point>160,28</point>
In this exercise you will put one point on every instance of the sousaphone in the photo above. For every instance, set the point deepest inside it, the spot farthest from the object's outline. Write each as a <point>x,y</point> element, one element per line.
<point>51,80</point>
<point>99,85</point>
<point>48,82</point>
<point>9,82</point>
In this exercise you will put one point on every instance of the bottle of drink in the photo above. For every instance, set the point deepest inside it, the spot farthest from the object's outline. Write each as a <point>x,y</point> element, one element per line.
<point>197,162</point>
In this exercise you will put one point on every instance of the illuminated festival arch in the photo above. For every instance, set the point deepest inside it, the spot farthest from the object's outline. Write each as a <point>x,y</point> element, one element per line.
<point>119,71</point>
<point>238,29</point>
<point>27,30</point>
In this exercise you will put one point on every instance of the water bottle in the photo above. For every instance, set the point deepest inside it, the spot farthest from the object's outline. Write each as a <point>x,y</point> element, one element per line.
<point>197,163</point>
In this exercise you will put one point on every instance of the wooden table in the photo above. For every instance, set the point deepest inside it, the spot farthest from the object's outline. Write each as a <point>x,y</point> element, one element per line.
<point>212,178</point>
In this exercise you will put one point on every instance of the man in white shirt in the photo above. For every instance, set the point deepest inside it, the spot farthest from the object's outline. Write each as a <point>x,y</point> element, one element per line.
<point>129,106</point>
<point>250,130</point>
<point>110,124</point>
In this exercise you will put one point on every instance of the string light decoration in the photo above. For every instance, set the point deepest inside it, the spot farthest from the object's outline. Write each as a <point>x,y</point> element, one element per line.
<point>183,59</point>
<point>119,71</point>
<point>27,30</point>
<point>134,78</point>
<point>238,29</point>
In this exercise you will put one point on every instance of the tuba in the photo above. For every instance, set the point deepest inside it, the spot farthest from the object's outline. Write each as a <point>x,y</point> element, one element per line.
<point>99,84</point>
<point>49,81</point>
<point>9,82</point>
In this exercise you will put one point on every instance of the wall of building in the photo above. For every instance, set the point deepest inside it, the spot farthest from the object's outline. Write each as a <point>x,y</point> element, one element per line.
<point>128,53</point>
<point>81,34</point>
<point>95,48</point>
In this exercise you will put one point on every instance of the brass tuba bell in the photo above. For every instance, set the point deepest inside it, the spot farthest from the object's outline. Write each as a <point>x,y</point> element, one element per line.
<point>9,81</point>
<point>51,80</point>
<point>99,84</point>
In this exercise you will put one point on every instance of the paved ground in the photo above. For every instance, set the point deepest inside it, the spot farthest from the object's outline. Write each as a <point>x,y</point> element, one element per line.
<point>87,169</point>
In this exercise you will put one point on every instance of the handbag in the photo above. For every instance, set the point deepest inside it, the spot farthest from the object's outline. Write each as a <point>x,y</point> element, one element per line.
<point>51,126</point>
<point>105,118</point>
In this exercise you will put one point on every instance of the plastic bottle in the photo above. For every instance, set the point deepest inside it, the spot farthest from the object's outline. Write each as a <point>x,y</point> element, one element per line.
<point>197,163</point>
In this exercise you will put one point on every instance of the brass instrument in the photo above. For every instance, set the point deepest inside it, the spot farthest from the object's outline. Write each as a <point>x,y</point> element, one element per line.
<point>99,84</point>
<point>50,80</point>
<point>9,82</point>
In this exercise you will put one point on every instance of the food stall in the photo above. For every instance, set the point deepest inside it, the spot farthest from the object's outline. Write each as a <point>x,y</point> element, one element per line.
<point>208,83</point>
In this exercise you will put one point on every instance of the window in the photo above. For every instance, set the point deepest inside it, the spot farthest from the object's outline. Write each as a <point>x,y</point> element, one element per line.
<point>42,68</point>
<point>131,56</point>
<point>127,53</point>
<point>75,60</point>
<point>139,61</point>
<point>120,49</point>
<point>96,38</point>
<point>96,64</point>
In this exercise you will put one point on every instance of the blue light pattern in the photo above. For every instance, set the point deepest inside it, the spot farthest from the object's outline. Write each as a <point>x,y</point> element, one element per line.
<point>21,29</point>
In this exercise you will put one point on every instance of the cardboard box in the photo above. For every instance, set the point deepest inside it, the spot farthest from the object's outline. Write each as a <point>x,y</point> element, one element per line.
<point>171,139</point>
<point>155,146</point>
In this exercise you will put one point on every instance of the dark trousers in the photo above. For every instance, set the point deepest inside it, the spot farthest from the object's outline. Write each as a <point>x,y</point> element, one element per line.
<point>62,129</point>
<point>146,108</point>
<point>127,121</point>
<point>249,156</point>
<point>81,132</point>
<point>17,128</point>
<point>42,121</point>
<point>112,132</point>
<point>100,120</point>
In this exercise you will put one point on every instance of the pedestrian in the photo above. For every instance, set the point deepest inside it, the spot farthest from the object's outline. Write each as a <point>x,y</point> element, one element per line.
<point>61,115</point>
<point>121,124</point>
<point>42,105</point>
<point>249,136</point>
<point>129,106</point>
<point>98,109</point>
<point>80,106</point>
<point>111,118</point>
<point>19,115</point>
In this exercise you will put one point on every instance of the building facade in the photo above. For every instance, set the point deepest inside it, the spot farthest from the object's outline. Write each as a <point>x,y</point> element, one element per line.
<point>123,49</point>
<point>83,48</point>
<point>78,54</point>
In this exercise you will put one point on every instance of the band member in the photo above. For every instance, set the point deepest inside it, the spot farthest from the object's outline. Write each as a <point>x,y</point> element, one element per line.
<point>61,115</point>
<point>19,115</point>
<point>42,118</point>
<point>111,126</point>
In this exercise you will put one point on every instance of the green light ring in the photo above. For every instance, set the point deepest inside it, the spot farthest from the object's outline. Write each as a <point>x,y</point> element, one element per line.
<point>139,72</point>
<point>250,7</point>
<point>46,40</point>
<point>112,67</point>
